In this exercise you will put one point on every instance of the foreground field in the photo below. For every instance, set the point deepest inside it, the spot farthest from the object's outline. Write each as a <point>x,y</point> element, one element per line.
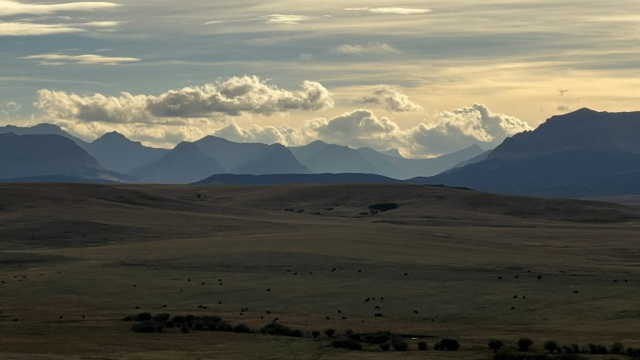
<point>76,259</point>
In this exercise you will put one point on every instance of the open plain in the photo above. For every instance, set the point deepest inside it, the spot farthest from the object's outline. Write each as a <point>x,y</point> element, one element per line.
<point>449,263</point>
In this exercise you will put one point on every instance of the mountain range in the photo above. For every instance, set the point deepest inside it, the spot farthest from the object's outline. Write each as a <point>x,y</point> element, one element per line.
<point>192,162</point>
<point>584,153</point>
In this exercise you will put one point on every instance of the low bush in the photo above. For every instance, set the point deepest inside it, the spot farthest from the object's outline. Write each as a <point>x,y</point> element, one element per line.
<point>330,333</point>
<point>145,327</point>
<point>495,345</point>
<point>422,346</point>
<point>551,346</point>
<point>383,207</point>
<point>524,344</point>
<point>242,328</point>
<point>617,348</point>
<point>448,345</point>
<point>315,334</point>
<point>385,347</point>
<point>346,344</point>
<point>400,345</point>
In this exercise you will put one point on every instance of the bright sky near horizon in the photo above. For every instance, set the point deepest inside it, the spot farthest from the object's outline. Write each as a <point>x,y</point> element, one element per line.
<point>425,76</point>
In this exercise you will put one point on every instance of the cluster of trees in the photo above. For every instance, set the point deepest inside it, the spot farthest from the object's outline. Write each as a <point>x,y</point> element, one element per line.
<point>386,341</point>
<point>566,351</point>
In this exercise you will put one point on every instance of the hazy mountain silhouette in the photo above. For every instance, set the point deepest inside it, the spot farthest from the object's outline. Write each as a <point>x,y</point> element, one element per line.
<point>394,153</point>
<point>321,157</point>
<point>583,153</point>
<point>185,164</point>
<point>42,156</point>
<point>251,158</point>
<point>114,151</point>
<point>284,179</point>
<point>42,129</point>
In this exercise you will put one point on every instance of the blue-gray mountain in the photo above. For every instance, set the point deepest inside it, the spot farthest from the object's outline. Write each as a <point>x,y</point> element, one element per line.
<point>584,153</point>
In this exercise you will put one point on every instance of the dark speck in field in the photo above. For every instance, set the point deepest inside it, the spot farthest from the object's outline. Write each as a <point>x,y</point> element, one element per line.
<point>513,308</point>
<point>268,290</point>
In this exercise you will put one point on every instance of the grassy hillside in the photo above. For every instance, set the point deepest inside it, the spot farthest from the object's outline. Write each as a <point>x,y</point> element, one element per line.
<point>455,257</point>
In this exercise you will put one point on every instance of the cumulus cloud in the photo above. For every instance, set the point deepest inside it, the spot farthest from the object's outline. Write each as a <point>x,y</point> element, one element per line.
<point>233,97</point>
<point>392,10</point>
<point>461,128</point>
<point>10,7</point>
<point>363,49</point>
<point>88,59</point>
<point>391,99</point>
<point>446,132</point>
<point>10,107</point>
<point>279,19</point>
<point>564,108</point>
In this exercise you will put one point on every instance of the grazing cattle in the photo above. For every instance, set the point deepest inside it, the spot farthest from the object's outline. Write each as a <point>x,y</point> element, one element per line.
<point>499,277</point>
<point>288,270</point>
<point>539,277</point>
<point>334,269</point>
<point>137,307</point>
<point>615,281</point>
<point>164,306</point>
<point>241,314</point>
<point>204,307</point>
<point>415,312</point>
<point>220,284</point>
<point>219,302</point>
<point>377,307</point>
<point>295,274</point>
<point>575,292</point>
<point>359,271</point>
<point>180,290</point>
<point>268,312</point>
<point>276,319</point>
<point>515,296</point>
<point>188,279</point>
<point>61,317</point>
<point>378,315</point>
<point>83,316</point>
<point>524,296</point>
<point>513,308</point>
<point>135,285</point>
<point>262,317</point>
<point>405,274</point>
<point>328,318</point>
<point>268,290</point>
<point>382,298</point>
<point>15,320</point>
<point>517,276</point>
<point>219,280</point>
<point>344,318</point>
<point>339,311</point>
<point>310,273</point>
<point>367,300</point>
<point>203,283</point>
<point>200,307</point>
<point>3,281</point>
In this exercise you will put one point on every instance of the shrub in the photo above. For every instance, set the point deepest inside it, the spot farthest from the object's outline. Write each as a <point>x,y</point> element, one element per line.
<point>400,345</point>
<point>504,355</point>
<point>385,347</point>
<point>384,207</point>
<point>330,333</point>
<point>567,349</point>
<point>177,319</point>
<point>161,317</point>
<point>242,328</point>
<point>422,346</point>
<point>346,344</point>
<point>525,344</point>
<point>380,338</point>
<point>315,334</point>
<point>168,324</point>
<point>495,345</point>
<point>602,350</point>
<point>185,330</point>
<point>143,317</point>
<point>630,351</point>
<point>128,318</point>
<point>593,348</point>
<point>617,348</point>
<point>551,346</point>
<point>449,345</point>
<point>145,327</point>
<point>199,325</point>
<point>575,348</point>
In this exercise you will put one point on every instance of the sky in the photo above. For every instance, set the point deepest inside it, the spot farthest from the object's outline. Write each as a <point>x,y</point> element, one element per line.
<point>428,77</point>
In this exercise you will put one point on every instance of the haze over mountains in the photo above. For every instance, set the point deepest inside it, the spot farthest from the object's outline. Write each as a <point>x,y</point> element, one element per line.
<point>192,162</point>
<point>584,153</point>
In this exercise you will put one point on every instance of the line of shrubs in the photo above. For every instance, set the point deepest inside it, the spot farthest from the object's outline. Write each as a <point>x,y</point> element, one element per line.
<point>552,347</point>
<point>386,340</point>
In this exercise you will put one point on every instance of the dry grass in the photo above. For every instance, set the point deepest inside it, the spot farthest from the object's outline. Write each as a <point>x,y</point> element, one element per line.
<point>83,248</point>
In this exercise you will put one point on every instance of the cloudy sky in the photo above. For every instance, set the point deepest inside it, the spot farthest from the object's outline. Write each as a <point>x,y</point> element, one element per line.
<point>426,76</point>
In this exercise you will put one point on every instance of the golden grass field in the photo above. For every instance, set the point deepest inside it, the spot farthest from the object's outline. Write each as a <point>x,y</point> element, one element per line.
<point>78,250</point>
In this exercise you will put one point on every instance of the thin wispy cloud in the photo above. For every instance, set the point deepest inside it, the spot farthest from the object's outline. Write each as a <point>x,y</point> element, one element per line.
<point>88,59</point>
<point>10,8</point>
<point>279,19</point>
<point>363,49</point>
<point>30,29</point>
<point>392,10</point>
